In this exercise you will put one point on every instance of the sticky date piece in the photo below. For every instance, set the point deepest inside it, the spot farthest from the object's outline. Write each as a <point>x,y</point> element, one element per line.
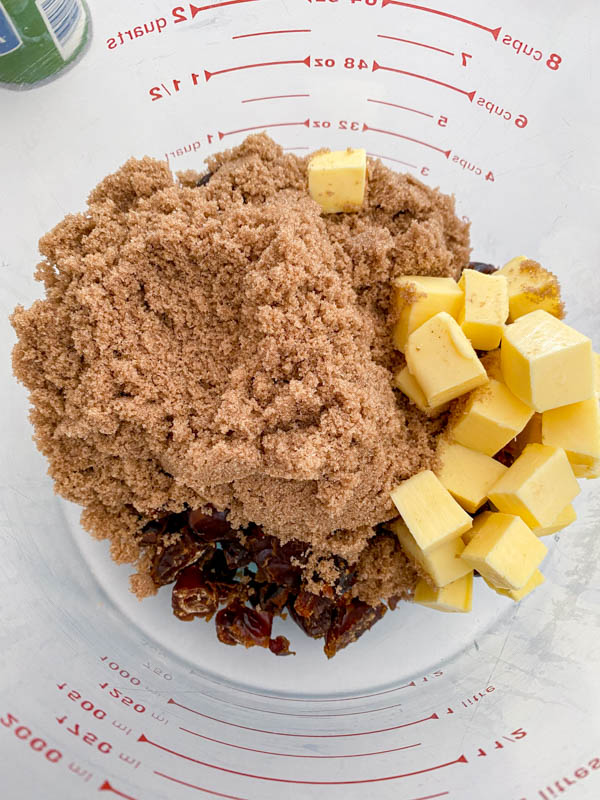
<point>312,613</point>
<point>350,621</point>
<point>195,596</point>
<point>212,527</point>
<point>170,559</point>
<point>239,624</point>
<point>480,266</point>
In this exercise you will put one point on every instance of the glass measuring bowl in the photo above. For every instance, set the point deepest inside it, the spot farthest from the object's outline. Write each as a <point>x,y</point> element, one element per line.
<point>101,693</point>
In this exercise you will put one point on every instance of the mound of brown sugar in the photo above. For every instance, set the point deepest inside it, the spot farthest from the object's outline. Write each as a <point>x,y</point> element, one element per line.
<point>229,345</point>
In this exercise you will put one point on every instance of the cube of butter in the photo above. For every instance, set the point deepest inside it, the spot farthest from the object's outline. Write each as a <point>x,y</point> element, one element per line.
<point>442,360</point>
<point>455,597</point>
<point>538,485</point>
<point>467,474</point>
<point>566,517</point>
<point>407,384</point>
<point>417,298</point>
<point>336,180</point>
<point>596,360</point>
<point>505,551</point>
<point>545,363</point>
<point>575,428</point>
<point>518,594</point>
<point>431,513</point>
<point>478,521</point>
<point>443,564</point>
<point>531,287</point>
<point>485,309</point>
<point>587,470</point>
<point>492,417</point>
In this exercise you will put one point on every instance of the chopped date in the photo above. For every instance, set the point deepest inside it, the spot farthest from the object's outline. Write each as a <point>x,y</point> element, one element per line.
<point>393,602</point>
<point>239,624</point>
<point>350,621</point>
<point>480,266</point>
<point>280,646</point>
<point>271,597</point>
<point>195,596</point>
<point>255,578</point>
<point>236,555</point>
<point>169,560</point>
<point>212,527</point>
<point>204,179</point>
<point>346,577</point>
<point>216,567</point>
<point>312,613</point>
<point>176,522</point>
<point>274,560</point>
<point>507,455</point>
<point>152,532</point>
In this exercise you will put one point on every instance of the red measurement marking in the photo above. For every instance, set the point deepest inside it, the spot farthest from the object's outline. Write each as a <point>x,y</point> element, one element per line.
<point>222,134</point>
<point>273,97</point>
<point>208,75</point>
<point>432,796</point>
<point>404,108</point>
<point>199,788</point>
<point>470,95</point>
<point>106,787</point>
<point>295,755</point>
<point>366,127</point>
<point>196,9</point>
<point>493,31</point>
<point>270,33</point>
<point>397,160</point>
<point>166,90</point>
<point>419,44</point>
<point>302,735</point>
<point>460,760</point>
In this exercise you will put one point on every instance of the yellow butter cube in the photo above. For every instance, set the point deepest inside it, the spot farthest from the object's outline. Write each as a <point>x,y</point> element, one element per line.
<point>504,551</point>
<point>478,521</point>
<point>407,384</point>
<point>575,428</point>
<point>537,486</point>
<point>417,298</point>
<point>518,594</point>
<point>566,517</point>
<point>431,513</point>
<point>587,470</point>
<point>443,564</point>
<point>531,287</point>
<point>455,597</point>
<point>467,474</point>
<point>442,360</point>
<point>596,360</point>
<point>545,363</point>
<point>336,180</point>
<point>485,309</point>
<point>492,417</point>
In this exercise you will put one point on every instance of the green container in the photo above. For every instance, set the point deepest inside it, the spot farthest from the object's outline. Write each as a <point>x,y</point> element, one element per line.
<point>38,38</point>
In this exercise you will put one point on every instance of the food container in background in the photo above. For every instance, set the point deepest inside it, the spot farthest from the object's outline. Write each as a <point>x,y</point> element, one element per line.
<point>39,38</point>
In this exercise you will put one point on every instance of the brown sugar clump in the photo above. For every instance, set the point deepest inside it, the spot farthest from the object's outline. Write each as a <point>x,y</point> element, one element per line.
<point>228,344</point>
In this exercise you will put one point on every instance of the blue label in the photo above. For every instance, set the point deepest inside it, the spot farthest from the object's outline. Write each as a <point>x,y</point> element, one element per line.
<point>9,38</point>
